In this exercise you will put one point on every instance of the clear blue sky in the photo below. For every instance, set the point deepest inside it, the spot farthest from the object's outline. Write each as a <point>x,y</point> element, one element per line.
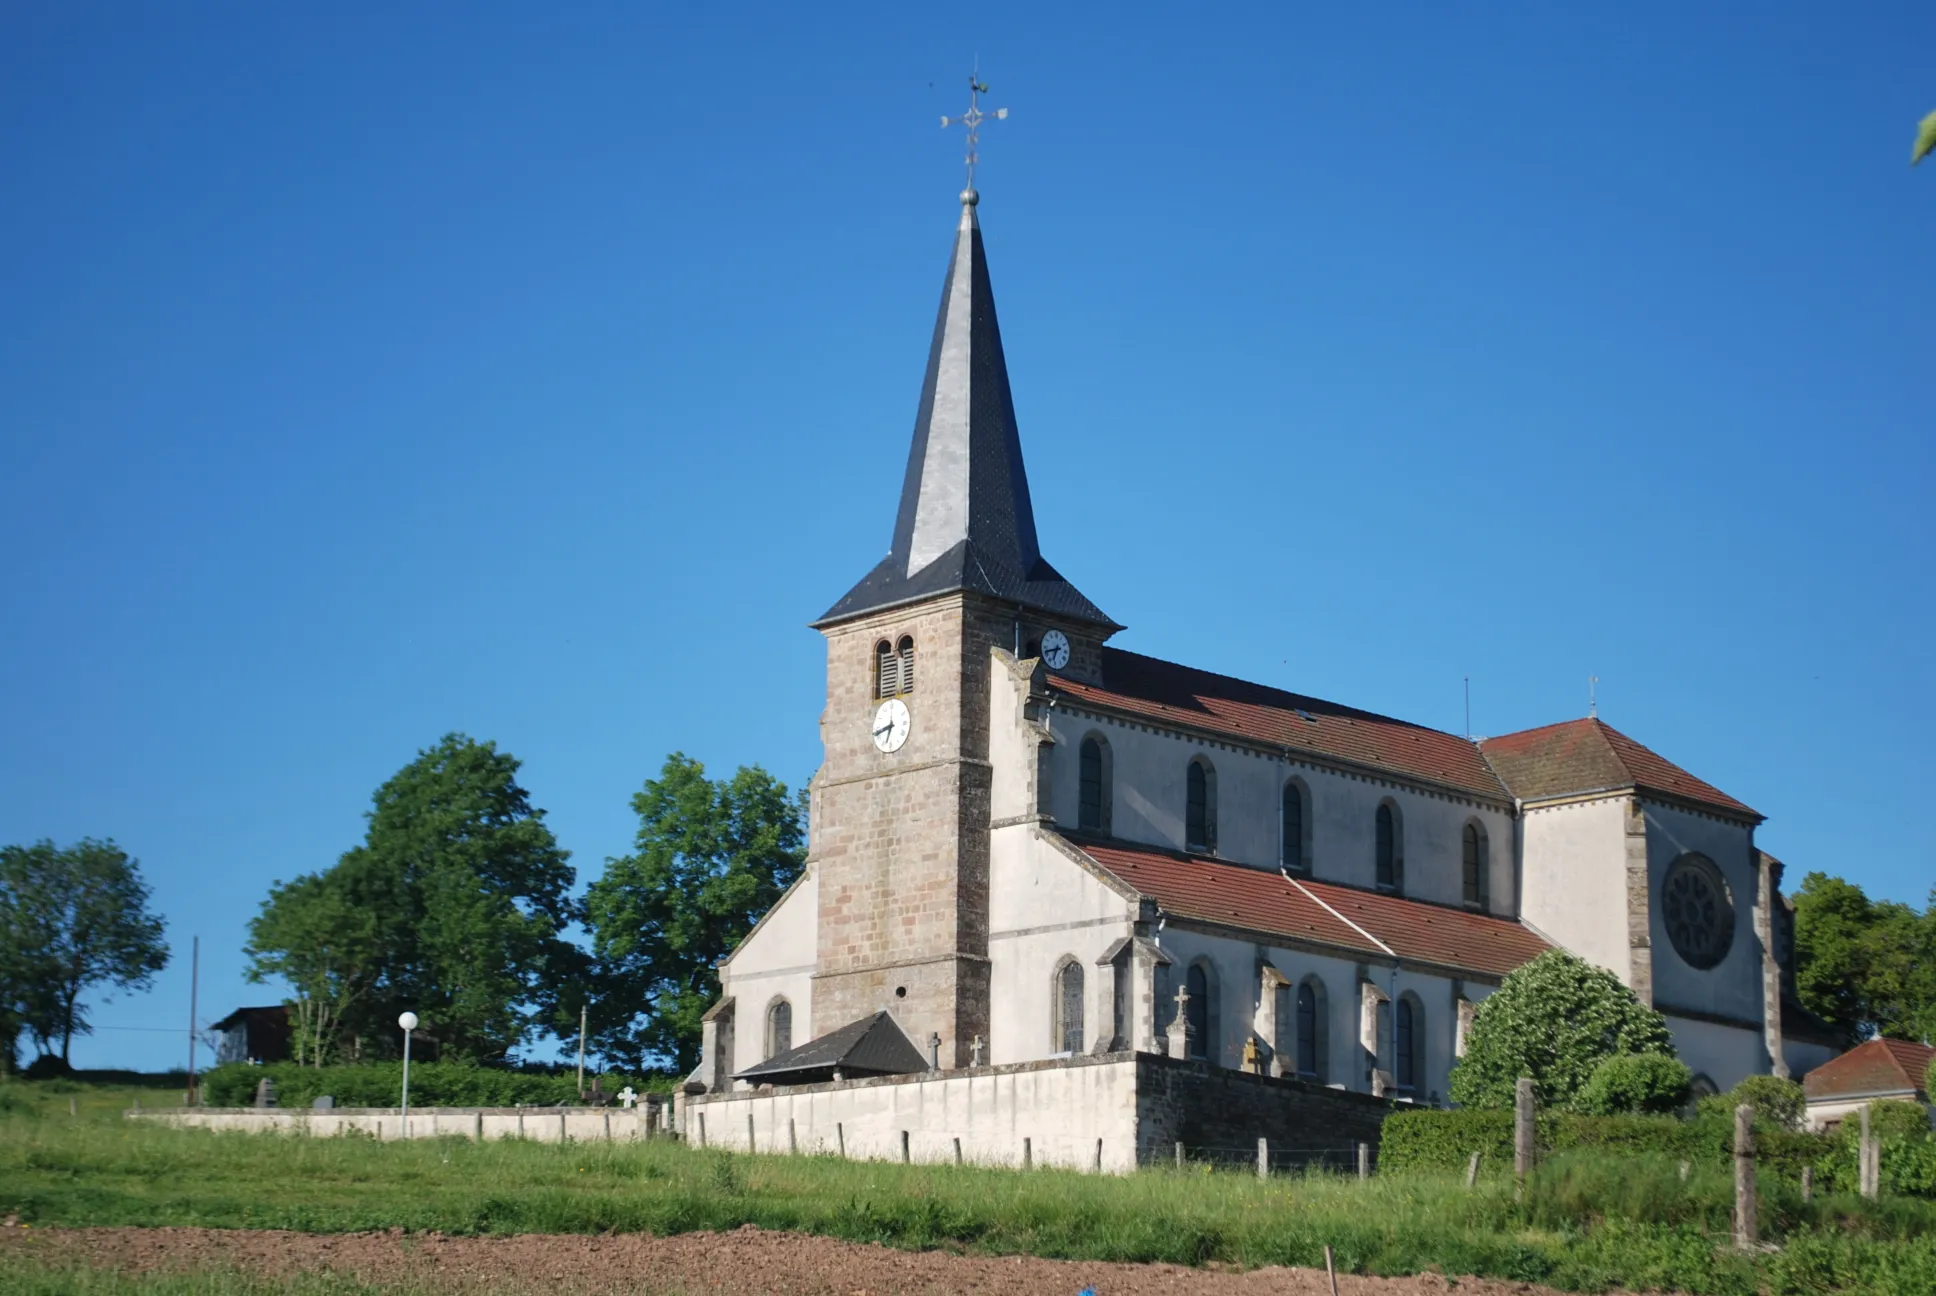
<point>372,372</point>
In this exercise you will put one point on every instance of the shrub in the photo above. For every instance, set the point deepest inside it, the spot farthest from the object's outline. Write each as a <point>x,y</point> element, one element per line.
<point>380,1084</point>
<point>47,1066</point>
<point>1635,1083</point>
<point>1554,1019</point>
<point>1777,1103</point>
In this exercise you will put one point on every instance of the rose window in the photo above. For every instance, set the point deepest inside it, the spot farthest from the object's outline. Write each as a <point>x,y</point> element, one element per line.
<point>1695,907</point>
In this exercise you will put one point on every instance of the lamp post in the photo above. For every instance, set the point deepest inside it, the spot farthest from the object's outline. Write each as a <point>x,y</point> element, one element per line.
<point>409,1023</point>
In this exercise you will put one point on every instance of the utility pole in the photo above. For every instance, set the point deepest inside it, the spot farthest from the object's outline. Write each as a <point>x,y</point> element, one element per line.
<point>194,994</point>
<point>581,1050</point>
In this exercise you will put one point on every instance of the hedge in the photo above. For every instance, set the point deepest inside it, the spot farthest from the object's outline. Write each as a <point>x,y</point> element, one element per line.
<point>380,1084</point>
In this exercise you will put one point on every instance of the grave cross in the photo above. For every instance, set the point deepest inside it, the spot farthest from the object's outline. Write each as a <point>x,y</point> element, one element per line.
<point>974,1052</point>
<point>626,1096</point>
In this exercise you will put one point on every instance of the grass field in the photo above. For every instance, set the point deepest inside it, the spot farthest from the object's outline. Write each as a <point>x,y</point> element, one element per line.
<point>1584,1224</point>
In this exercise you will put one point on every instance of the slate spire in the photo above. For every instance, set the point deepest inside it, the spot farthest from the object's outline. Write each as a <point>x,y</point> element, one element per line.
<point>966,521</point>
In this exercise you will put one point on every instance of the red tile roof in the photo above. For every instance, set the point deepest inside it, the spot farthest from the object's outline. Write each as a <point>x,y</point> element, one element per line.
<point>1590,756</point>
<point>1217,891</point>
<point>1877,1066</point>
<point>1167,692</point>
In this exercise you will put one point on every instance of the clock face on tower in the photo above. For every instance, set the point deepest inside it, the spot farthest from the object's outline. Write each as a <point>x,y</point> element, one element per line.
<point>1055,649</point>
<point>891,724</point>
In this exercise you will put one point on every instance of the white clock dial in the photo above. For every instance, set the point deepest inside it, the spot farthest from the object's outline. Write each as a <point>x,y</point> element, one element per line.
<point>891,724</point>
<point>1055,649</point>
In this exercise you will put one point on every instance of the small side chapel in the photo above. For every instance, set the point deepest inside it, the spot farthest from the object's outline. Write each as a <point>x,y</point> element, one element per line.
<point>1032,849</point>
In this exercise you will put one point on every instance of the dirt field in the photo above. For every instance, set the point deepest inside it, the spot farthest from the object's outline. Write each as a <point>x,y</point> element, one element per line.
<point>744,1262</point>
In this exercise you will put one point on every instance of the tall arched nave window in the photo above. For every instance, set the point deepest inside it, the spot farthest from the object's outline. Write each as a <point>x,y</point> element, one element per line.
<point>1092,802</point>
<point>1291,828</point>
<point>1474,866</point>
<point>1390,850</point>
<point>779,1028</point>
<point>1068,1007</point>
<point>1200,807</point>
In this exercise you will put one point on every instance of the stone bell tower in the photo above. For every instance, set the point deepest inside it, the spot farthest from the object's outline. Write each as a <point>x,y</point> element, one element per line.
<point>900,818</point>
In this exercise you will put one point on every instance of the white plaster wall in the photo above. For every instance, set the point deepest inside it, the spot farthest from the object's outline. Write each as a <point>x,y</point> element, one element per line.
<point>1043,907</point>
<point>1821,1114</point>
<point>1726,1055</point>
<point>1732,988</point>
<point>1062,1110</point>
<point>1148,793</point>
<point>776,960</point>
<point>1576,880</point>
<point>539,1124</point>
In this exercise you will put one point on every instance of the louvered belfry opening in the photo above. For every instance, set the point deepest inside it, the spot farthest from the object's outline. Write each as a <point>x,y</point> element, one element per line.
<point>905,651</point>
<point>887,670</point>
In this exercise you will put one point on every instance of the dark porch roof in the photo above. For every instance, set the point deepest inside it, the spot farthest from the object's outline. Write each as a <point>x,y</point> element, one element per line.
<point>872,1046</point>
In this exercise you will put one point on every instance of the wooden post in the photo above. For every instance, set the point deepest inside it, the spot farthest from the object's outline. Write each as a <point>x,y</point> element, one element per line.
<point>1808,1183</point>
<point>906,1157</point>
<point>1867,1165</point>
<point>1746,1213</point>
<point>1364,1160</point>
<point>563,1135</point>
<point>1028,1153</point>
<point>749,1132</point>
<point>1330,1270</point>
<point>702,1126</point>
<point>957,1151</point>
<point>1098,1156</point>
<point>1472,1172</point>
<point>1263,1157</point>
<point>478,1126</point>
<point>1524,1149</point>
<point>840,1138</point>
<point>793,1139</point>
<point>73,1105</point>
<point>608,1127</point>
<point>1179,1154</point>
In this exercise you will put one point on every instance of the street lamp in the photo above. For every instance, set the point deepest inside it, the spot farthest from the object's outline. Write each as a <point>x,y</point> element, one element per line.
<point>409,1023</point>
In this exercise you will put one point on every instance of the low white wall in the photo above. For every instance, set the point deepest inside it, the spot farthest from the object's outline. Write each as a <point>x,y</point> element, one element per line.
<point>1062,1109</point>
<point>540,1124</point>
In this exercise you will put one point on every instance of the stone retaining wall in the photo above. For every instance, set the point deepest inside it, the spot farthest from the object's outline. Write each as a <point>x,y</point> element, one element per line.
<point>542,1124</point>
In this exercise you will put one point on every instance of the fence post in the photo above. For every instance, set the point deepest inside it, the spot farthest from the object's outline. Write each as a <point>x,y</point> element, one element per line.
<point>840,1137</point>
<point>1808,1183</point>
<point>1523,1146</point>
<point>1179,1154</point>
<point>73,1106</point>
<point>793,1139</point>
<point>564,1135</point>
<point>1472,1172</point>
<point>905,1157</point>
<point>1867,1165</point>
<point>1746,1221</point>
<point>749,1132</point>
<point>1028,1153</point>
<point>608,1127</point>
<point>1263,1157</point>
<point>1364,1160</point>
<point>1098,1156</point>
<point>478,1124</point>
<point>702,1126</point>
<point>957,1150</point>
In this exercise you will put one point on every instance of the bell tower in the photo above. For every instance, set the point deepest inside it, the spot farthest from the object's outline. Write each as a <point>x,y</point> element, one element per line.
<point>900,822</point>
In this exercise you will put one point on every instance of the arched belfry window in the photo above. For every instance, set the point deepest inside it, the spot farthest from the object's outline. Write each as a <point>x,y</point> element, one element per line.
<point>1389,848</point>
<point>1068,1008</point>
<point>1291,828</point>
<point>779,1028</point>
<point>1200,807</point>
<point>1406,1042</point>
<point>894,667</point>
<point>1474,866</point>
<point>1092,803</point>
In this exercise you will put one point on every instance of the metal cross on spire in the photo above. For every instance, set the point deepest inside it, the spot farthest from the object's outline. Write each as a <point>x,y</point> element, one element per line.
<point>973,119</point>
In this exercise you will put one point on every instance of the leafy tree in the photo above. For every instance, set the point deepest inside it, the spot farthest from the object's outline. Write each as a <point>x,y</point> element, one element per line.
<point>1867,967</point>
<point>452,907</point>
<point>75,919</point>
<point>1635,1083</point>
<point>1554,1019</point>
<point>1925,140</point>
<point>711,857</point>
<point>1777,1102</point>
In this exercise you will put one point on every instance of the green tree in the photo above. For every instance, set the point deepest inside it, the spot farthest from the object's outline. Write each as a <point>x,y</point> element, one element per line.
<point>453,907</point>
<point>1925,140</point>
<point>1777,1102</point>
<point>711,857</point>
<point>1867,967</point>
<point>76,919</point>
<point>1555,1019</point>
<point>1635,1083</point>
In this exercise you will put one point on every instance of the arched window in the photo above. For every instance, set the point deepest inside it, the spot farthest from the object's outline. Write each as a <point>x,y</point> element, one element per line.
<point>1200,808</point>
<point>887,670</point>
<point>1198,984</point>
<point>1291,828</point>
<point>1092,808</point>
<point>779,1028</point>
<point>1474,865</point>
<point>1390,850</point>
<point>1310,1033</point>
<point>1068,1008</point>
<point>1405,1044</point>
<point>905,651</point>
<point>1284,1025</point>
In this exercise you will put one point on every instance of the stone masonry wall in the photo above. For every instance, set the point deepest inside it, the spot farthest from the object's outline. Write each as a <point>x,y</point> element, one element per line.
<point>1219,1113</point>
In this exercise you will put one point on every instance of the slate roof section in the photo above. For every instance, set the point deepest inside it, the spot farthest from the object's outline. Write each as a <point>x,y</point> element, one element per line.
<point>1323,913</point>
<point>874,1045</point>
<point>1167,692</point>
<point>1873,1068</point>
<point>1582,756</point>
<point>966,521</point>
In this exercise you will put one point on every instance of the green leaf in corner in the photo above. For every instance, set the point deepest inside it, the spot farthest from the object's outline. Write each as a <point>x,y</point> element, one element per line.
<point>1925,140</point>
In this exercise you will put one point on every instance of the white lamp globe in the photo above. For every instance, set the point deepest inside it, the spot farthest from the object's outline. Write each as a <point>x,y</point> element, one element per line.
<point>408,1021</point>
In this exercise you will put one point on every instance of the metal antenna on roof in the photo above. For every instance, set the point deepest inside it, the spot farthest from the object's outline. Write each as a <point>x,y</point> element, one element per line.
<point>1468,708</point>
<point>973,119</point>
<point>1592,696</point>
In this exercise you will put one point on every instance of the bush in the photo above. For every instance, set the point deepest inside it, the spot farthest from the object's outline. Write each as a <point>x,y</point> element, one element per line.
<point>47,1066</point>
<point>1777,1103</point>
<point>1633,1084</point>
<point>380,1084</point>
<point>1554,1019</point>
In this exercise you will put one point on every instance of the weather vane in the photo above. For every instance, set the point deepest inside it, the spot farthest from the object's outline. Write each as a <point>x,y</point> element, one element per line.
<point>973,119</point>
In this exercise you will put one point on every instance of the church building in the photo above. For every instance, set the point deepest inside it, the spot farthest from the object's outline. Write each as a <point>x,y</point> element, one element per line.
<point>1033,851</point>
